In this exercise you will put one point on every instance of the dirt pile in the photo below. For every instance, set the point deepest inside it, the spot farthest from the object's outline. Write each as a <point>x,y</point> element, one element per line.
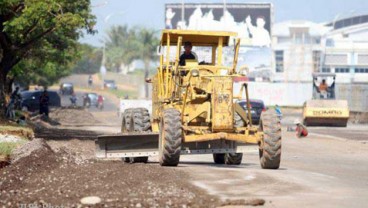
<point>73,116</point>
<point>56,176</point>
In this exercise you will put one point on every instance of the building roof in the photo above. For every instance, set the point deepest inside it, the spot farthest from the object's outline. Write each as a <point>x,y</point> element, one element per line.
<point>282,29</point>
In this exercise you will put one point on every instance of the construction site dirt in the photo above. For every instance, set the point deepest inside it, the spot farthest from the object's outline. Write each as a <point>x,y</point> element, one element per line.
<point>323,169</point>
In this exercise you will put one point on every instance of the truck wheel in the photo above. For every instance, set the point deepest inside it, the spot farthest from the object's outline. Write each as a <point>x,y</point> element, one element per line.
<point>219,158</point>
<point>270,148</point>
<point>136,120</point>
<point>233,158</point>
<point>170,138</point>
<point>127,123</point>
<point>141,121</point>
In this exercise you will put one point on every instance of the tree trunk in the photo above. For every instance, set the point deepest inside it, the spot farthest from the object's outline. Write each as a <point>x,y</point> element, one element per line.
<point>2,93</point>
<point>146,74</point>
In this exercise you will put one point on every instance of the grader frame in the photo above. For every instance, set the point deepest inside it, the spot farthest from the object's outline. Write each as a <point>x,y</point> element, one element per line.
<point>193,110</point>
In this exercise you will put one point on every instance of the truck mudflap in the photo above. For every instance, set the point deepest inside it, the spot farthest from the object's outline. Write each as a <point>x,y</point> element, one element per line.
<point>146,144</point>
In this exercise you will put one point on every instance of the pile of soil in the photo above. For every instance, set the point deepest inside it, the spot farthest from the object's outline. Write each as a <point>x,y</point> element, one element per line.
<point>73,116</point>
<point>47,177</point>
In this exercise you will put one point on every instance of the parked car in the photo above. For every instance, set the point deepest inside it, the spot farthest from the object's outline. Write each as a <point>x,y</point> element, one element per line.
<point>90,99</point>
<point>110,84</point>
<point>31,100</point>
<point>66,88</point>
<point>256,109</point>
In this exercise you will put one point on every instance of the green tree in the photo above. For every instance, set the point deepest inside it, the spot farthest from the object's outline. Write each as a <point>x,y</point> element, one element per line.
<point>121,44</point>
<point>124,45</point>
<point>90,60</point>
<point>40,36</point>
<point>147,43</point>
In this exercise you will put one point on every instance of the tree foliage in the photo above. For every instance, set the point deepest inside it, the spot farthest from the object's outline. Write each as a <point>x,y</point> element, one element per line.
<point>89,61</point>
<point>39,37</point>
<point>124,45</point>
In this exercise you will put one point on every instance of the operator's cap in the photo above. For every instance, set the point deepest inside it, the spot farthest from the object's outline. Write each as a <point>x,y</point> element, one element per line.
<point>296,121</point>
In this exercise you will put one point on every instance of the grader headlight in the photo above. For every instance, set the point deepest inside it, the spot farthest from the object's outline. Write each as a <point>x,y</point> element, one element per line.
<point>194,72</point>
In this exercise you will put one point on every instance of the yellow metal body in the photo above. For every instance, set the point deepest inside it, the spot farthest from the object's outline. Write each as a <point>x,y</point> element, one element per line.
<point>202,93</point>
<point>326,112</point>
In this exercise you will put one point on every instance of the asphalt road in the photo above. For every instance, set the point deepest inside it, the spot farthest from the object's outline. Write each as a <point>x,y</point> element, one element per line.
<point>329,168</point>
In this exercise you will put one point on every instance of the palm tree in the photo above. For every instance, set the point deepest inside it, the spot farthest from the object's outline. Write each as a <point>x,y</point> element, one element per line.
<point>147,43</point>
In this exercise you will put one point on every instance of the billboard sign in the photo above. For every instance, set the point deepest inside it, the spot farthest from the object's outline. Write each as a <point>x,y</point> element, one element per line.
<point>252,22</point>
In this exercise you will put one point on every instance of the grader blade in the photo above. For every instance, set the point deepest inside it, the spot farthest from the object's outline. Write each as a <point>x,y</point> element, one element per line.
<point>126,145</point>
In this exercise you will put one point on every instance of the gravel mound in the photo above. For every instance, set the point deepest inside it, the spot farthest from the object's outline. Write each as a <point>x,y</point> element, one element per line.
<point>28,148</point>
<point>9,138</point>
<point>72,116</point>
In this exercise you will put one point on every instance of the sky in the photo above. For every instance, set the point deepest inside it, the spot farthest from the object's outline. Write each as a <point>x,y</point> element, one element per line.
<point>150,13</point>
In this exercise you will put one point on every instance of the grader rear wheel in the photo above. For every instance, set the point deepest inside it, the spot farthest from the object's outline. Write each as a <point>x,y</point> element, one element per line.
<point>136,120</point>
<point>233,158</point>
<point>170,138</point>
<point>219,158</point>
<point>270,148</point>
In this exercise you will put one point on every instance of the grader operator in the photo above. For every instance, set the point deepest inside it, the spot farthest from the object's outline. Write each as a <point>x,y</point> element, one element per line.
<point>193,110</point>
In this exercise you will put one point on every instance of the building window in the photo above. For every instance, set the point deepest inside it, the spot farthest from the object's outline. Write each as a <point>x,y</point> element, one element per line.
<point>279,56</point>
<point>361,70</point>
<point>342,70</point>
<point>316,60</point>
<point>326,70</point>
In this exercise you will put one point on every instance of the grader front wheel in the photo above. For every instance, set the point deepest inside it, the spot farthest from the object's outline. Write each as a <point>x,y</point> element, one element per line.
<point>170,138</point>
<point>270,148</point>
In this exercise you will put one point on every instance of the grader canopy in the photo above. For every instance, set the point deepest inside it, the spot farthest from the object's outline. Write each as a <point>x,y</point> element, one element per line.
<point>194,109</point>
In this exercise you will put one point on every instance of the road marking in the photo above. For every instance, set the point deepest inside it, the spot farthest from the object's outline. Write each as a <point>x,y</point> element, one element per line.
<point>329,136</point>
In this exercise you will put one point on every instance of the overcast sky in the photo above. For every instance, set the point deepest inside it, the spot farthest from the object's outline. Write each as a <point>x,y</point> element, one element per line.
<point>150,13</point>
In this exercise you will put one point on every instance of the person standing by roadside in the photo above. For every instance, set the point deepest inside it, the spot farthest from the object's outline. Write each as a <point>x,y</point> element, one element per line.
<point>90,81</point>
<point>44,103</point>
<point>301,130</point>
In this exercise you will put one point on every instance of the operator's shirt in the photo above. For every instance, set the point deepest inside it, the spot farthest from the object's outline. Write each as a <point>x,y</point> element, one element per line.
<point>323,87</point>
<point>184,57</point>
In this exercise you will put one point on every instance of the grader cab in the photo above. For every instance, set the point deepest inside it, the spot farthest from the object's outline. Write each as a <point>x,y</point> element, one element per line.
<point>194,110</point>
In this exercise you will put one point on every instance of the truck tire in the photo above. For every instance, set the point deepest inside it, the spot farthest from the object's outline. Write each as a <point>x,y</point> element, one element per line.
<point>170,138</point>
<point>270,148</point>
<point>127,123</point>
<point>233,158</point>
<point>141,121</point>
<point>219,158</point>
<point>136,120</point>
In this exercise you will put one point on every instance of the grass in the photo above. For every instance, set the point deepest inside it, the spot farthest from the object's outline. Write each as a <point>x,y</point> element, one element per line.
<point>6,148</point>
<point>22,132</point>
<point>123,93</point>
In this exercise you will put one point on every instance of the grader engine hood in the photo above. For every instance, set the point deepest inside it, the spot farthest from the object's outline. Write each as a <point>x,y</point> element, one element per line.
<point>222,99</point>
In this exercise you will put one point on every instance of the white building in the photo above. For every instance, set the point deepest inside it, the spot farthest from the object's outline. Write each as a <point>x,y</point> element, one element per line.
<point>303,47</point>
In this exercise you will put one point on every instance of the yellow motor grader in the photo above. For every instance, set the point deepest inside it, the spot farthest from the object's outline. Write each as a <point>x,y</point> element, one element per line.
<point>194,110</point>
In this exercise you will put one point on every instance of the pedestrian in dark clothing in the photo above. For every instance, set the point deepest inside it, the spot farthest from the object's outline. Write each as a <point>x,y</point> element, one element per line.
<point>188,54</point>
<point>44,103</point>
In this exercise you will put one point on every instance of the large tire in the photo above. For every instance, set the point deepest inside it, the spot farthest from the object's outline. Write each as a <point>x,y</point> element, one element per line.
<point>219,158</point>
<point>170,137</point>
<point>127,122</point>
<point>270,150</point>
<point>233,158</point>
<point>141,121</point>
<point>136,120</point>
